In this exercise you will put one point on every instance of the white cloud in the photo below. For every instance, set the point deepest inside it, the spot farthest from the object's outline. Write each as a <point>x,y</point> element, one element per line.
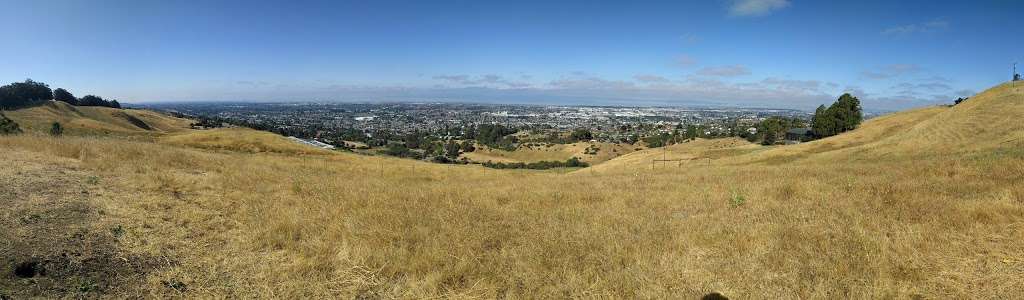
<point>926,27</point>
<point>926,86</point>
<point>650,78</point>
<point>891,71</point>
<point>484,80</point>
<point>589,83</point>
<point>750,8</point>
<point>592,89</point>
<point>791,84</point>
<point>724,71</point>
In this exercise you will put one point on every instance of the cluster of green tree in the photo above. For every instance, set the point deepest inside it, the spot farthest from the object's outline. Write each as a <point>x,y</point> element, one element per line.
<point>24,94</point>
<point>208,122</point>
<point>494,136</point>
<point>581,135</point>
<point>661,139</point>
<point>844,115</point>
<point>960,100</point>
<point>436,150</point>
<point>8,126</point>
<point>540,165</point>
<point>556,137</point>
<point>681,134</point>
<point>419,140</point>
<point>773,129</point>
<point>91,100</point>
<point>30,93</point>
<point>399,150</point>
<point>351,134</point>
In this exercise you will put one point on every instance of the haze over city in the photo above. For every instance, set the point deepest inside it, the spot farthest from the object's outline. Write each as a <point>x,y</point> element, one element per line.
<point>747,53</point>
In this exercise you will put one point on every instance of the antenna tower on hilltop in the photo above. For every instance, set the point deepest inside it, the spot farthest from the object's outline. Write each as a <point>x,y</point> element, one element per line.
<point>1016,77</point>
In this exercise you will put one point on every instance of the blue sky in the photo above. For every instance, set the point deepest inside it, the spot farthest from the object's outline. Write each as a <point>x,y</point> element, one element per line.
<point>766,53</point>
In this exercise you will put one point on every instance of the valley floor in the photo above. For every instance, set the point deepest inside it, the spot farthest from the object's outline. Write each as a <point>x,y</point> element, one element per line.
<point>170,221</point>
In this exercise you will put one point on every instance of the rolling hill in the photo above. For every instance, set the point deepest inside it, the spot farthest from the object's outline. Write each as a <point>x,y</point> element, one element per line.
<point>94,120</point>
<point>927,203</point>
<point>239,140</point>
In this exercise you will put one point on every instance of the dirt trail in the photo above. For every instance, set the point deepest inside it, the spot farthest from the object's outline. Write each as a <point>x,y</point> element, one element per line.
<point>51,243</point>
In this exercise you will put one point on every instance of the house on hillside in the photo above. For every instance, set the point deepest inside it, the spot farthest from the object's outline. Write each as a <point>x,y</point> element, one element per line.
<point>797,135</point>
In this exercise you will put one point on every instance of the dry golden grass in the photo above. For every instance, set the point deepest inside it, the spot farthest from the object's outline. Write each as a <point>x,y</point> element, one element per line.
<point>864,219</point>
<point>691,153</point>
<point>534,152</point>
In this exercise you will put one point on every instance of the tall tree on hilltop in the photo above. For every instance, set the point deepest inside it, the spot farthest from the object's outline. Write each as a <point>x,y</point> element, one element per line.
<point>22,94</point>
<point>822,122</point>
<point>844,115</point>
<point>63,95</point>
<point>848,112</point>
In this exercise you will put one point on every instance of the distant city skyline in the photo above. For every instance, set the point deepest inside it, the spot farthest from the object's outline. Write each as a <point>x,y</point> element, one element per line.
<point>741,53</point>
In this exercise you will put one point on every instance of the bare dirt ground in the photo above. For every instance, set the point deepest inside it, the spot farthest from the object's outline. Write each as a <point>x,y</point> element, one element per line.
<point>52,243</point>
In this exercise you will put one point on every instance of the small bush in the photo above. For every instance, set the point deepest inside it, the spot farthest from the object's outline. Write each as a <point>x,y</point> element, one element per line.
<point>737,199</point>
<point>56,129</point>
<point>8,126</point>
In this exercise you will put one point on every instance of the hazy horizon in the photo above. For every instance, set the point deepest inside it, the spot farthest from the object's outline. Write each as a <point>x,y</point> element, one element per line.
<point>744,53</point>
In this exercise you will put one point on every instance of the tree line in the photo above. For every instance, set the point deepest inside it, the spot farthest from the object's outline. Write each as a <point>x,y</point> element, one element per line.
<point>540,165</point>
<point>31,93</point>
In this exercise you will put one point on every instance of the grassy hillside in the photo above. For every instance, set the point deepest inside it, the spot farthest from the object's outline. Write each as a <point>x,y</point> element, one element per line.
<point>94,120</point>
<point>691,153</point>
<point>927,203</point>
<point>240,140</point>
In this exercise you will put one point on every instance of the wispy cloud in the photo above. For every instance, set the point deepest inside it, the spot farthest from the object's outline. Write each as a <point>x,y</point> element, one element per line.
<point>593,89</point>
<point>486,80</point>
<point>926,27</point>
<point>792,84</point>
<point>752,8</point>
<point>685,60</point>
<point>913,88</point>
<point>453,78</point>
<point>724,71</point>
<point>589,83</point>
<point>650,78</point>
<point>252,83</point>
<point>891,71</point>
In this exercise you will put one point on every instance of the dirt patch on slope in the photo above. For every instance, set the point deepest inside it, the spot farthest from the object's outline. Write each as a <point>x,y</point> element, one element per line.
<point>51,243</point>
